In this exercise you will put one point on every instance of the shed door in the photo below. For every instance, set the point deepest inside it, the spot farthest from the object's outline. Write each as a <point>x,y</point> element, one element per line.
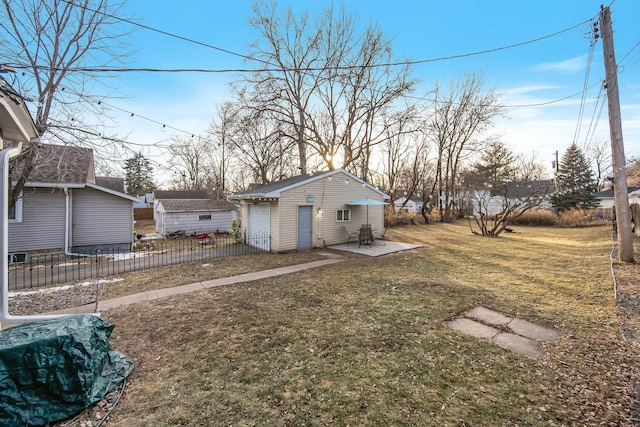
<point>259,226</point>
<point>304,228</point>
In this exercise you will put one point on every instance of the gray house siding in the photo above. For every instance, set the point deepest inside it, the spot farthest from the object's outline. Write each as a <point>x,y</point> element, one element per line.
<point>42,226</point>
<point>190,222</point>
<point>101,221</point>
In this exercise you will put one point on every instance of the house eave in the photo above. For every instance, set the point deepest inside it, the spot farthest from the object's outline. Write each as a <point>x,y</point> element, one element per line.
<point>65,185</point>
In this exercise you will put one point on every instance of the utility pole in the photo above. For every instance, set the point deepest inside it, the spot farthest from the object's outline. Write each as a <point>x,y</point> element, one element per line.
<point>620,192</point>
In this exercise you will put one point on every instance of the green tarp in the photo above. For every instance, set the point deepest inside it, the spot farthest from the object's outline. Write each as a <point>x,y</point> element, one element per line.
<point>51,370</point>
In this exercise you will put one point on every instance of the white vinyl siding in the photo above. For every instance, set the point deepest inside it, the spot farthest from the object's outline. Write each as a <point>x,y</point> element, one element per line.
<point>42,226</point>
<point>100,218</point>
<point>330,195</point>
<point>190,222</point>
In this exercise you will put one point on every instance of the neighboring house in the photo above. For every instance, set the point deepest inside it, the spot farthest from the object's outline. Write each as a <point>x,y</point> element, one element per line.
<point>307,211</point>
<point>516,191</point>
<point>606,199</point>
<point>145,201</point>
<point>413,205</point>
<point>191,212</point>
<point>64,206</point>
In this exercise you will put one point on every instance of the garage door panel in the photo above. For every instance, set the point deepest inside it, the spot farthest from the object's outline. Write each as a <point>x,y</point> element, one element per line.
<point>259,227</point>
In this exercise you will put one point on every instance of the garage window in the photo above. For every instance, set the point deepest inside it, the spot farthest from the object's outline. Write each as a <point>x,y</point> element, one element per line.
<point>343,215</point>
<point>205,217</point>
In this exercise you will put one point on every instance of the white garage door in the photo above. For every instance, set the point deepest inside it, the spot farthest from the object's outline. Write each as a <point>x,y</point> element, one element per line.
<point>258,229</point>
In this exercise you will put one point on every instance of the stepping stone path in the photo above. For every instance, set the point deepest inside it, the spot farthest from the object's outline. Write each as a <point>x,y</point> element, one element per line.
<point>524,337</point>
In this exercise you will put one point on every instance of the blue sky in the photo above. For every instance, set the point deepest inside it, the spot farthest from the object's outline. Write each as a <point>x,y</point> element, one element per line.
<point>535,73</point>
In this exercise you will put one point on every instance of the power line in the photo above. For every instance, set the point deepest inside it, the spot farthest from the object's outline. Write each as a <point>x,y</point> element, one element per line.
<point>286,69</point>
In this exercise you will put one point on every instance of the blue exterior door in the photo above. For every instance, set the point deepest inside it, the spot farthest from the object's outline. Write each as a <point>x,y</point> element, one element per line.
<point>304,227</point>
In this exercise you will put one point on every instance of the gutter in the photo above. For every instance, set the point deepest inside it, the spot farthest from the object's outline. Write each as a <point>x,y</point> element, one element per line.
<point>5,317</point>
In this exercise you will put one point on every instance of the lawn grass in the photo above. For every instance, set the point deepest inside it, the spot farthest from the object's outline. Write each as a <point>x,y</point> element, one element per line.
<point>363,342</point>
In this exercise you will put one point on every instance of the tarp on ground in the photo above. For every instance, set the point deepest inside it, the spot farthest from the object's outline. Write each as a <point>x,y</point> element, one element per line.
<point>51,370</point>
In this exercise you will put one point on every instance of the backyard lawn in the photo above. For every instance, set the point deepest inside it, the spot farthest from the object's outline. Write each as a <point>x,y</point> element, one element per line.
<point>364,342</point>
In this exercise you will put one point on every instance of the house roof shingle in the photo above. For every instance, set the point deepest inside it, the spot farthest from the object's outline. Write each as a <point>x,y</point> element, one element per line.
<point>110,182</point>
<point>195,205</point>
<point>608,194</point>
<point>179,195</point>
<point>519,189</point>
<point>59,164</point>
<point>274,189</point>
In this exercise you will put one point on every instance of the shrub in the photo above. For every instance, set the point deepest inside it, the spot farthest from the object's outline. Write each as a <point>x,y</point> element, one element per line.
<point>541,217</point>
<point>578,217</point>
<point>392,218</point>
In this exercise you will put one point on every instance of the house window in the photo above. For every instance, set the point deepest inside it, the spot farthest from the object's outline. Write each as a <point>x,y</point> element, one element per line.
<point>205,217</point>
<point>343,215</point>
<point>15,213</point>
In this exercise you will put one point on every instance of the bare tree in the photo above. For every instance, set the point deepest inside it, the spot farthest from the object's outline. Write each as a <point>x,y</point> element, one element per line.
<point>599,154</point>
<point>633,172</point>
<point>501,187</point>
<point>259,148</point>
<point>191,163</point>
<point>461,115</point>
<point>358,88</point>
<point>327,84</point>
<point>405,151</point>
<point>52,41</point>
<point>220,132</point>
<point>287,48</point>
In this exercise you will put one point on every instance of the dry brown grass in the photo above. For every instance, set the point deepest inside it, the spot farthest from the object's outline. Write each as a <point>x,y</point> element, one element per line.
<point>364,342</point>
<point>144,226</point>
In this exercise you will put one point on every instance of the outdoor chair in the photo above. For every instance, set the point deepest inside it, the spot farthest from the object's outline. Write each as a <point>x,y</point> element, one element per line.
<point>366,236</point>
<point>350,235</point>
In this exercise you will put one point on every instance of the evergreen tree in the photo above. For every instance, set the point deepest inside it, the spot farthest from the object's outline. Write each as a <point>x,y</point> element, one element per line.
<point>575,183</point>
<point>138,175</point>
<point>496,167</point>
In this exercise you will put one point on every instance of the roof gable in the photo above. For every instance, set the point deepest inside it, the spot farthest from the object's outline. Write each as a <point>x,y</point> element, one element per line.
<point>275,189</point>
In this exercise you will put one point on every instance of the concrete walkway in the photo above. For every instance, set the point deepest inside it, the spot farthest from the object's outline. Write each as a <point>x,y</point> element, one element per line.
<point>197,286</point>
<point>524,337</point>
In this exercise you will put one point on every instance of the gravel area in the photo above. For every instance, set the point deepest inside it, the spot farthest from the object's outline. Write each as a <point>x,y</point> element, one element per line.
<point>57,298</point>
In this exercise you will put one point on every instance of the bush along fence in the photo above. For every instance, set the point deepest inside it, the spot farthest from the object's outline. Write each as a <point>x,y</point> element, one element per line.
<point>53,269</point>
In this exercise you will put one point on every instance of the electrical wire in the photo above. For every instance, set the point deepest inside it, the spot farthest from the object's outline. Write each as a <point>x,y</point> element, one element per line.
<point>287,69</point>
<point>593,35</point>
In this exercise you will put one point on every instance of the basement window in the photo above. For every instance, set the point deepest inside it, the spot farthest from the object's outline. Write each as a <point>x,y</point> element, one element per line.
<point>17,258</point>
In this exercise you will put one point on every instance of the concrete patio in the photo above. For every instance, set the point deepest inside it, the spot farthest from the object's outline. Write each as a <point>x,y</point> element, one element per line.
<point>380,247</point>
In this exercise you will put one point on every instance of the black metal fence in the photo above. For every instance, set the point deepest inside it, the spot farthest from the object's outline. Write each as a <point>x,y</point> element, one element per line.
<point>53,269</point>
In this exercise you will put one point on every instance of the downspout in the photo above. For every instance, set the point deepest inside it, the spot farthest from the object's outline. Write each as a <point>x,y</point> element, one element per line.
<point>68,219</point>
<point>5,317</point>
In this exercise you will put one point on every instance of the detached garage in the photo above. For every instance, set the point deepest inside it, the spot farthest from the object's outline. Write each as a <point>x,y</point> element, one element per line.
<point>193,216</point>
<point>309,211</point>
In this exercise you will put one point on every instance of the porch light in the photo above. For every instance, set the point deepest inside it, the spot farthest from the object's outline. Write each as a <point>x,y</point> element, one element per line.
<point>319,211</point>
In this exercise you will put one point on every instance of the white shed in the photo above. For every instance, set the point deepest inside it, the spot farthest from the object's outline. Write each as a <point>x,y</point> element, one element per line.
<point>193,216</point>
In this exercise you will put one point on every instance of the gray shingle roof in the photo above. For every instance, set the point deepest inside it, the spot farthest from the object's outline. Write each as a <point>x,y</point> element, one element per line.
<point>59,164</point>
<point>196,205</point>
<point>110,182</point>
<point>182,195</point>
